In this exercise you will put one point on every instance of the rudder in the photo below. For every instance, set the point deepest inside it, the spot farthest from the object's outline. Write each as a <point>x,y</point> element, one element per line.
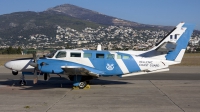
<point>181,42</point>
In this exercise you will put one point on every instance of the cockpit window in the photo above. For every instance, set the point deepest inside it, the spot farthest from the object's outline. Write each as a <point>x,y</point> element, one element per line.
<point>61,54</point>
<point>51,54</point>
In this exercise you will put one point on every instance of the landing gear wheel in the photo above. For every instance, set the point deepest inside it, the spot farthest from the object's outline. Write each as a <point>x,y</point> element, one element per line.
<point>45,76</point>
<point>82,85</point>
<point>22,82</point>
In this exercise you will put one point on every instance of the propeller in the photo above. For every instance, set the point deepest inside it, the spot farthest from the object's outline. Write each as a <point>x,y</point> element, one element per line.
<point>35,65</point>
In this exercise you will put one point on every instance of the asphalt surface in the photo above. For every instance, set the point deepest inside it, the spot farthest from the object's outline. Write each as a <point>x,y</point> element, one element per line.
<point>173,91</point>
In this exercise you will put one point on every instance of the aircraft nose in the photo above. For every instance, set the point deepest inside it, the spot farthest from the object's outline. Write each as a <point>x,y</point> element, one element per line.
<point>8,65</point>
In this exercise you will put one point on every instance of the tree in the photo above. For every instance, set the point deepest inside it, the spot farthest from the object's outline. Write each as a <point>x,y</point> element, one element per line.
<point>11,50</point>
<point>19,50</point>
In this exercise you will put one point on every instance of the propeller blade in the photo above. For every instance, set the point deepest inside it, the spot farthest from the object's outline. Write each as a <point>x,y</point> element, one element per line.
<point>34,64</point>
<point>34,57</point>
<point>35,76</point>
<point>38,57</point>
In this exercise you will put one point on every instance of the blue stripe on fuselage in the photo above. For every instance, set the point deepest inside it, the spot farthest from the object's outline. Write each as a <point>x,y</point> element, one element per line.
<point>102,64</point>
<point>130,63</point>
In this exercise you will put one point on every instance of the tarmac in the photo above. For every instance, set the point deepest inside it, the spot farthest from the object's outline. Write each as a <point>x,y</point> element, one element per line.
<point>175,91</point>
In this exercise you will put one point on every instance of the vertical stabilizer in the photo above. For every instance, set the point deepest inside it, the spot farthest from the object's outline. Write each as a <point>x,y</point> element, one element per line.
<point>181,37</point>
<point>172,47</point>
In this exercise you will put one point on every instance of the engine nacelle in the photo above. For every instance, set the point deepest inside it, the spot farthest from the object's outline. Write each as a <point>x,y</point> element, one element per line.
<point>14,72</point>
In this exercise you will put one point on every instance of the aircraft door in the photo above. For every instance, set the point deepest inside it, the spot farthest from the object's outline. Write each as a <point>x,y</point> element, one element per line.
<point>99,61</point>
<point>110,64</point>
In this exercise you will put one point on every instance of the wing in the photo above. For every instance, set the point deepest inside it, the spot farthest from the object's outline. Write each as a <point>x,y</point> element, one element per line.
<point>78,70</point>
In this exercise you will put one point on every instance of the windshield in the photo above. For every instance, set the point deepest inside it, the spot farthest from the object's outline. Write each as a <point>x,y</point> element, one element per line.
<point>51,54</point>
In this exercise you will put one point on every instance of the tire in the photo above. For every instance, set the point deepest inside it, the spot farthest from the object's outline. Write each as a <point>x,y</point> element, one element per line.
<point>82,85</point>
<point>22,82</point>
<point>45,76</point>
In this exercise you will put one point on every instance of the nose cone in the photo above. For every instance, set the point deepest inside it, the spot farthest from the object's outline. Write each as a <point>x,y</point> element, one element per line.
<point>8,65</point>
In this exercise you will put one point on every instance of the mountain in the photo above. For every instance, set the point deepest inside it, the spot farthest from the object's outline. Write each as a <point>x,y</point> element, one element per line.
<point>89,15</point>
<point>86,14</point>
<point>24,24</point>
<point>28,23</point>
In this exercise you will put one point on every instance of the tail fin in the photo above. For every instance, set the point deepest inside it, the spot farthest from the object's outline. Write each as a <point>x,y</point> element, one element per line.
<point>182,37</point>
<point>173,46</point>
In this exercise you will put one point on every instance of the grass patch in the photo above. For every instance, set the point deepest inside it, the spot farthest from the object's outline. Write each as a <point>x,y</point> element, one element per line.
<point>190,59</point>
<point>27,107</point>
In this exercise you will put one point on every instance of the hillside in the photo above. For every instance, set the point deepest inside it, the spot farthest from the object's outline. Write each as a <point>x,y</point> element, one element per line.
<point>28,23</point>
<point>38,28</point>
<point>89,15</point>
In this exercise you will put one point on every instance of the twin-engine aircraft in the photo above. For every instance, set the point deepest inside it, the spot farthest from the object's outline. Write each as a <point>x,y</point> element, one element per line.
<point>81,66</point>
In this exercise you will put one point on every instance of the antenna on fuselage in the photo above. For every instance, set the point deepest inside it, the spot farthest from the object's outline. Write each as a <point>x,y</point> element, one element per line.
<point>99,47</point>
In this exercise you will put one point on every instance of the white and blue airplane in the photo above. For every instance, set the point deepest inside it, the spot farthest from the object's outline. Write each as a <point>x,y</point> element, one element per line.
<point>82,66</point>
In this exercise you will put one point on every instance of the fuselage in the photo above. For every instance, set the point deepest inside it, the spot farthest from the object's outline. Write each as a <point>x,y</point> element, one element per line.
<point>109,62</point>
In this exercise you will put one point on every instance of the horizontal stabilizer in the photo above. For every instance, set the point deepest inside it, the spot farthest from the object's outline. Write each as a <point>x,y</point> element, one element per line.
<point>145,72</point>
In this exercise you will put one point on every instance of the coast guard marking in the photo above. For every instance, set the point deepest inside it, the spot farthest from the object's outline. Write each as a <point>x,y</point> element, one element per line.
<point>109,66</point>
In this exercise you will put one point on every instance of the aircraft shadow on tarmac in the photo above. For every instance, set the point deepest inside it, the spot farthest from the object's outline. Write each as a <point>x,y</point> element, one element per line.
<point>55,82</point>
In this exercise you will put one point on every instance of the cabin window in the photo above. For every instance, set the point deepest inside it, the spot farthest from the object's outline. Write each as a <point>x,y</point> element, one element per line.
<point>176,36</point>
<point>110,56</point>
<point>75,54</point>
<point>126,57</point>
<point>87,55</point>
<point>61,54</point>
<point>171,36</point>
<point>119,56</point>
<point>99,55</point>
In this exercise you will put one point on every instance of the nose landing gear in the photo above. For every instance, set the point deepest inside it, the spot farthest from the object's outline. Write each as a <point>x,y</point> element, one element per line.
<point>22,82</point>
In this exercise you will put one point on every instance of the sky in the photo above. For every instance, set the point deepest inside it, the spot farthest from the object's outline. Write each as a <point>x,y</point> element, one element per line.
<point>153,12</point>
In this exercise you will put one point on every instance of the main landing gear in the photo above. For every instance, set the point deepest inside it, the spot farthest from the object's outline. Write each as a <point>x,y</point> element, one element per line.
<point>81,85</point>
<point>80,82</point>
<point>46,76</point>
